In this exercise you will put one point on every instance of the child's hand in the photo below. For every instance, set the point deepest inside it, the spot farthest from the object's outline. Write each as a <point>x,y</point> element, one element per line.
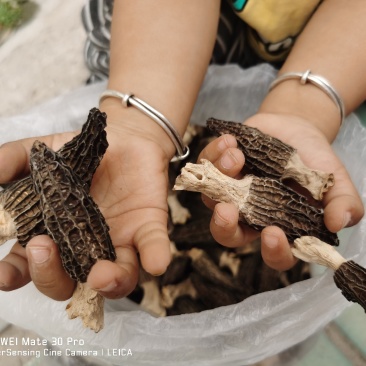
<point>130,187</point>
<point>342,204</point>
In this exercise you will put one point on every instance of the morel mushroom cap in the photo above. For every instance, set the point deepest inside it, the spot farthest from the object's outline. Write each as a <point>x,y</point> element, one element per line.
<point>69,213</point>
<point>20,212</point>
<point>261,201</point>
<point>269,157</point>
<point>54,200</point>
<point>75,223</point>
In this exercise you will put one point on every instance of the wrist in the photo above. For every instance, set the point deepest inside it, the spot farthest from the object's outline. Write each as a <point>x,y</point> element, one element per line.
<point>132,121</point>
<point>305,101</point>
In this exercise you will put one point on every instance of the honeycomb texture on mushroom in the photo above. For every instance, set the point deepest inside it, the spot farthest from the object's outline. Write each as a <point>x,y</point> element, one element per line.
<point>272,203</point>
<point>69,213</point>
<point>261,201</point>
<point>267,156</point>
<point>83,154</point>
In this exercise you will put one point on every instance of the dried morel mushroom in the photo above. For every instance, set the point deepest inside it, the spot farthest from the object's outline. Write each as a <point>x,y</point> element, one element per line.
<point>214,287</point>
<point>20,212</point>
<point>261,201</point>
<point>269,157</point>
<point>203,274</point>
<point>76,225</point>
<point>349,276</point>
<point>54,200</point>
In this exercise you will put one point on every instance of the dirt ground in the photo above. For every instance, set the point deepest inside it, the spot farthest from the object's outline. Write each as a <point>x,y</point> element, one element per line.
<point>44,57</point>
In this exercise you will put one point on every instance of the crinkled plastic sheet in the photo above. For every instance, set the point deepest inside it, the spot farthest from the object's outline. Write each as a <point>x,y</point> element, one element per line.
<point>241,334</point>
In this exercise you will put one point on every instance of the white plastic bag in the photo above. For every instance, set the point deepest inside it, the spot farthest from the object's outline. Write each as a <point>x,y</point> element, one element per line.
<point>241,334</point>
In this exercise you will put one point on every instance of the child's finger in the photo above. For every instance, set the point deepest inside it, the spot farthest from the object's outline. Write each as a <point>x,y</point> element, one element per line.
<point>153,245</point>
<point>116,279</point>
<point>225,156</point>
<point>343,206</point>
<point>276,251</point>
<point>223,153</point>
<point>46,269</point>
<point>14,160</point>
<point>226,230</point>
<point>14,156</point>
<point>14,272</point>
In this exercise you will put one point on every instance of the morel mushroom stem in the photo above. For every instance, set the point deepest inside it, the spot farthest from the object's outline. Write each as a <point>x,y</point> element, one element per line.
<point>170,293</point>
<point>88,305</point>
<point>349,276</point>
<point>272,158</point>
<point>261,201</point>
<point>8,229</point>
<point>312,250</point>
<point>151,300</point>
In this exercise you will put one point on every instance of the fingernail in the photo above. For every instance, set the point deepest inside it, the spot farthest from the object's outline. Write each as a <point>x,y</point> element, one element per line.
<point>222,145</point>
<point>271,241</point>
<point>39,255</point>
<point>158,274</point>
<point>219,221</point>
<point>347,218</point>
<point>228,161</point>
<point>108,288</point>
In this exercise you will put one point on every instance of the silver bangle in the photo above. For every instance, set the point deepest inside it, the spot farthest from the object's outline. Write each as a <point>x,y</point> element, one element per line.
<point>128,100</point>
<point>316,80</point>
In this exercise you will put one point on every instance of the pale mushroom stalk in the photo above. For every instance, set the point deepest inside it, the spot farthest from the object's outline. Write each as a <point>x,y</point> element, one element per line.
<point>261,201</point>
<point>170,293</point>
<point>151,301</point>
<point>349,276</point>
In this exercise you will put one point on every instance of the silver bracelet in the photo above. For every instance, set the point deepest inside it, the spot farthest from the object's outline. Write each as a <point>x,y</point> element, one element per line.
<point>316,80</point>
<point>128,100</point>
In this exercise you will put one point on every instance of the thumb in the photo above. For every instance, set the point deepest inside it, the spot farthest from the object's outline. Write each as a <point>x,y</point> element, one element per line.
<point>14,156</point>
<point>343,205</point>
<point>46,269</point>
